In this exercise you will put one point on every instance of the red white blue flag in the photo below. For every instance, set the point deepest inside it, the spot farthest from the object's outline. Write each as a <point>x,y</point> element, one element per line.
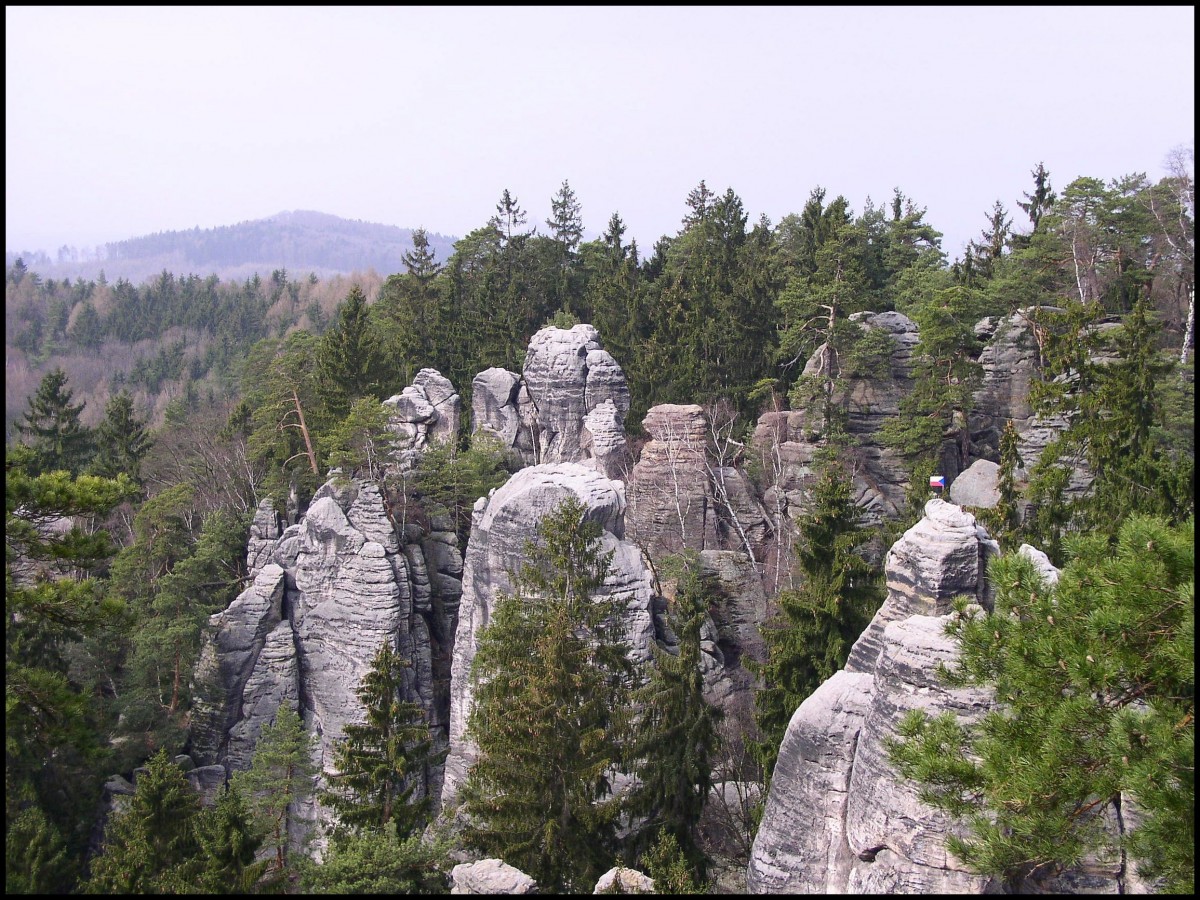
<point>937,481</point>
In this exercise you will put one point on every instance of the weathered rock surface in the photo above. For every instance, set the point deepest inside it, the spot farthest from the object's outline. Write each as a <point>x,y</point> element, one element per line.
<point>602,443</point>
<point>1010,365</point>
<point>838,818</point>
<point>501,407</point>
<point>502,526</point>
<point>978,486</point>
<point>670,505</point>
<point>786,442</point>
<point>554,412</point>
<point>327,593</point>
<point>942,557</point>
<point>490,876</point>
<point>619,880</point>
<point>425,412</point>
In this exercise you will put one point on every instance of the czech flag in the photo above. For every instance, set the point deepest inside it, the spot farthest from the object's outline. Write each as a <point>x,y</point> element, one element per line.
<point>937,482</point>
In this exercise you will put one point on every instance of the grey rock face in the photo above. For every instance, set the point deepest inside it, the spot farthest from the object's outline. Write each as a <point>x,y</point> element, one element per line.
<point>670,506</point>
<point>602,441</point>
<point>786,442</point>
<point>568,374</point>
<point>978,486</point>
<point>502,408</point>
<point>738,612</point>
<point>838,818</point>
<point>490,876</point>
<point>330,591</point>
<point>425,412</point>
<point>619,880</point>
<point>569,405</point>
<point>1010,365</point>
<point>942,557</point>
<point>502,525</point>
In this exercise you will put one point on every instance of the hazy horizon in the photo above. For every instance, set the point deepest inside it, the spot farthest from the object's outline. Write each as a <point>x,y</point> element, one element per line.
<point>123,122</point>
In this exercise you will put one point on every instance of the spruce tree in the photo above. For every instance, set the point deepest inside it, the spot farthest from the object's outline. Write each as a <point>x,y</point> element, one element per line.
<point>382,762</point>
<point>121,440</point>
<point>819,623</point>
<point>548,712</point>
<point>349,363</point>
<point>1094,681</point>
<point>52,427</point>
<point>228,842</point>
<point>148,845</point>
<point>675,739</point>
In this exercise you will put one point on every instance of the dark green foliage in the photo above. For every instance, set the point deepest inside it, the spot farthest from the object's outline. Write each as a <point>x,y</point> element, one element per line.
<point>121,440</point>
<point>349,363</point>
<point>359,443</point>
<point>53,599</point>
<point>280,776</point>
<point>1095,678</point>
<point>35,855</point>
<point>172,579</point>
<point>52,428</point>
<point>383,762</point>
<point>675,740</point>
<point>148,845</point>
<point>454,479</point>
<point>820,622</point>
<point>547,718</point>
<point>1118,426</point>
<point>227,842</point>
<point>377,862</point>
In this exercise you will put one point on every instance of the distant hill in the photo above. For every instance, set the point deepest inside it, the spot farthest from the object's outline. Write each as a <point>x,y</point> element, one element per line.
<point>299,242</point>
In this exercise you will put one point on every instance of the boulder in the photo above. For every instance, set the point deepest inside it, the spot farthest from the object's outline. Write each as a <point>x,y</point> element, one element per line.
<point>490,876</point>
<point>978,486</point>
<point>619,880</point>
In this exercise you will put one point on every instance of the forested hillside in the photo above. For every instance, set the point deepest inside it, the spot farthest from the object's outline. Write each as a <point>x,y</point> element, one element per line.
<point>303,241</point>
<point>155,416</point>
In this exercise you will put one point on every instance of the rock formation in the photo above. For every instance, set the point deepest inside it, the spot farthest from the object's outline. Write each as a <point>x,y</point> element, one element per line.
<point>326,593</point>
<point>490,876</point>
<point>502,525</point>
<point>425,412</point>
<point>787,442</point>
<point>679,500</point>
<point>554,412</point>
<point>838,818</point>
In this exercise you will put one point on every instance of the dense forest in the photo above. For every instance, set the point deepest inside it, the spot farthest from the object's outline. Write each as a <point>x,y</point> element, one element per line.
<point>155,416</point>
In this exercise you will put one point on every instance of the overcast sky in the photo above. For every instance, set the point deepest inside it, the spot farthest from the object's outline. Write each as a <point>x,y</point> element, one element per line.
<point>127,121</point>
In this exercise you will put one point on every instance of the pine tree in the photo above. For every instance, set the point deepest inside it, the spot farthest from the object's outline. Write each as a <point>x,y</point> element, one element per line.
<point>280,777</point>
<point>53,429</point>
<point>675,739</point>
<point>53,599</point>
<point>1036,204</point>
<point>147,845</point>
<point>1094,678</point>
<point>382,762</point>
<point>548,712</point>
<point>819,622</point>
